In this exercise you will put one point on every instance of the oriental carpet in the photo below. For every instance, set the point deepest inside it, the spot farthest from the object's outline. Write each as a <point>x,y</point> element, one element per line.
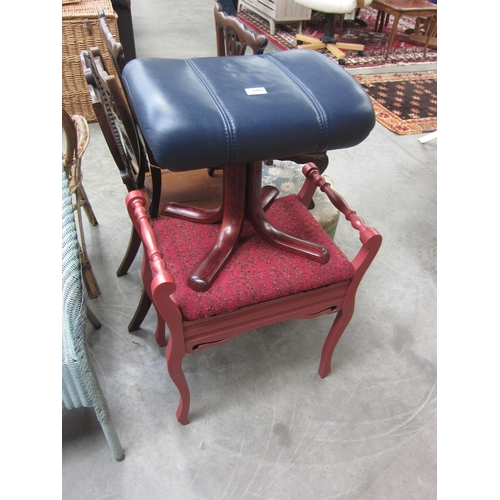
<point>405,103</point>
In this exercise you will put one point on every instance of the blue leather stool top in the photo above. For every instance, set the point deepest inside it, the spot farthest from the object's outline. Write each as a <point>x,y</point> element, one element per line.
<point>209,112</point>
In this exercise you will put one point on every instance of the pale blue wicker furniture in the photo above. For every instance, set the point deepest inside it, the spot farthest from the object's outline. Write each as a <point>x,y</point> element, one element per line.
<point>80,386</point>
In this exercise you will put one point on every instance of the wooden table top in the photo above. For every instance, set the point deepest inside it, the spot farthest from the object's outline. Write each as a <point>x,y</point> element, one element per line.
<point>404,6</point>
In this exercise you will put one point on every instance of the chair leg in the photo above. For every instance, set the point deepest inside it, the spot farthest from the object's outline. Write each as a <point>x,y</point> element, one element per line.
<point>339,325</point>
<point>87,207</point>
<point>160,337</point>
<point>94,321</point>
<point>113,441</point>
<point>89,279</point>
<point>133,247</point>
<point>174,355</point>
<point>140,312</point>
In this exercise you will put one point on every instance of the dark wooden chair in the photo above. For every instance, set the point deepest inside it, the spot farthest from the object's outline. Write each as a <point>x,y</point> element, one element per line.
<point>172,206</point>
<point>261,284</point>
<point>169,197</point>
<point>233,37</point>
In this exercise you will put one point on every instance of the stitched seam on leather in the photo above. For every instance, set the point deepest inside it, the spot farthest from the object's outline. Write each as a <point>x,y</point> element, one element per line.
<point>320,111</point>
<point>226,118</point>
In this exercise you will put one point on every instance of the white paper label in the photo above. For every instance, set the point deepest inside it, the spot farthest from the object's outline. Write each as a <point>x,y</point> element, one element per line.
<point>256,91</point>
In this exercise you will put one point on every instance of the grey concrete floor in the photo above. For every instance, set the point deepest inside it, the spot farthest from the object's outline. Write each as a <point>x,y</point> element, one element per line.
<point>262,423</point>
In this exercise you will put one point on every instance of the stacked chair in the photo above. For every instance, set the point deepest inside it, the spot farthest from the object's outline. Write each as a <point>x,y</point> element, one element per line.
<point>213,273</point>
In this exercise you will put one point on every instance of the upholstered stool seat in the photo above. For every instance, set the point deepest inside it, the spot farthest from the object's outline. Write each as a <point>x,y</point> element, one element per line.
<point>213,111</point>
<point>287,176</point>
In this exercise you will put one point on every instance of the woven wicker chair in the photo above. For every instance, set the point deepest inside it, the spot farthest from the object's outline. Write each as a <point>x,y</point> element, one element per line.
<point>80,387</point>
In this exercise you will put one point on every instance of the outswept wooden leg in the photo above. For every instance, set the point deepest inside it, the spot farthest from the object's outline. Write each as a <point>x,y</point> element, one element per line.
<point>339,325</point>
<point>193,214</point>
<point>134,244</point>
<point>211,216</point>
<point>266,230</point>
<point>174,355</point>
<point>232,222</point>
<point>140,312</point>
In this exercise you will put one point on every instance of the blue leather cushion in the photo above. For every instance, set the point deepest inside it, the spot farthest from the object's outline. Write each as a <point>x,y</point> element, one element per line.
<point>197,113</point>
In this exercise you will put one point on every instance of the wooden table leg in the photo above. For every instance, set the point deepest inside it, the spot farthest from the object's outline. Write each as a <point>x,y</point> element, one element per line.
<point>397,16</point>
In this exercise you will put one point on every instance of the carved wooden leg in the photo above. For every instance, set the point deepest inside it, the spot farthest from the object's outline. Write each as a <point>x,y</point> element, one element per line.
<point>266,230</point>
<point>160,337</point>
<point>134,244</point>
<point>174,355</point>
<point>339,325</point>
<point>232,222</point>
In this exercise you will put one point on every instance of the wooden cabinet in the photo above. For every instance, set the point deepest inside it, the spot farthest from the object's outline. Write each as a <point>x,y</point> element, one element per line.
<point>276,11</point>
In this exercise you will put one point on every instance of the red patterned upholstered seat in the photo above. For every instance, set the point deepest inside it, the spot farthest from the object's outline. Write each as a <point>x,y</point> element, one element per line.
<point>257,271</point>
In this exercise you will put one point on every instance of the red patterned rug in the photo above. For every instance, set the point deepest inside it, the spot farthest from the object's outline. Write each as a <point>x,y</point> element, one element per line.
<point>375,43</point>
<point>405,103</point>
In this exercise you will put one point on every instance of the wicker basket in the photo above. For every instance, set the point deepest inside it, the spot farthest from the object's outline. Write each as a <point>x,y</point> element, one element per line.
<point>80,31</point>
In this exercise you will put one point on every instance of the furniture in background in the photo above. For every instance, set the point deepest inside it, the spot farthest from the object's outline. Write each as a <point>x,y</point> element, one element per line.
<point>260,286</point>
<point>119,117</point>
<point>233,37</point>
<point>424,33</point>
<point>80,30</point>
<point>277,11</point>
<point>77,135</point>
<point>123,9</point>
<point>398,8</point>
<point>328,41</point>
<point>80,387</point>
